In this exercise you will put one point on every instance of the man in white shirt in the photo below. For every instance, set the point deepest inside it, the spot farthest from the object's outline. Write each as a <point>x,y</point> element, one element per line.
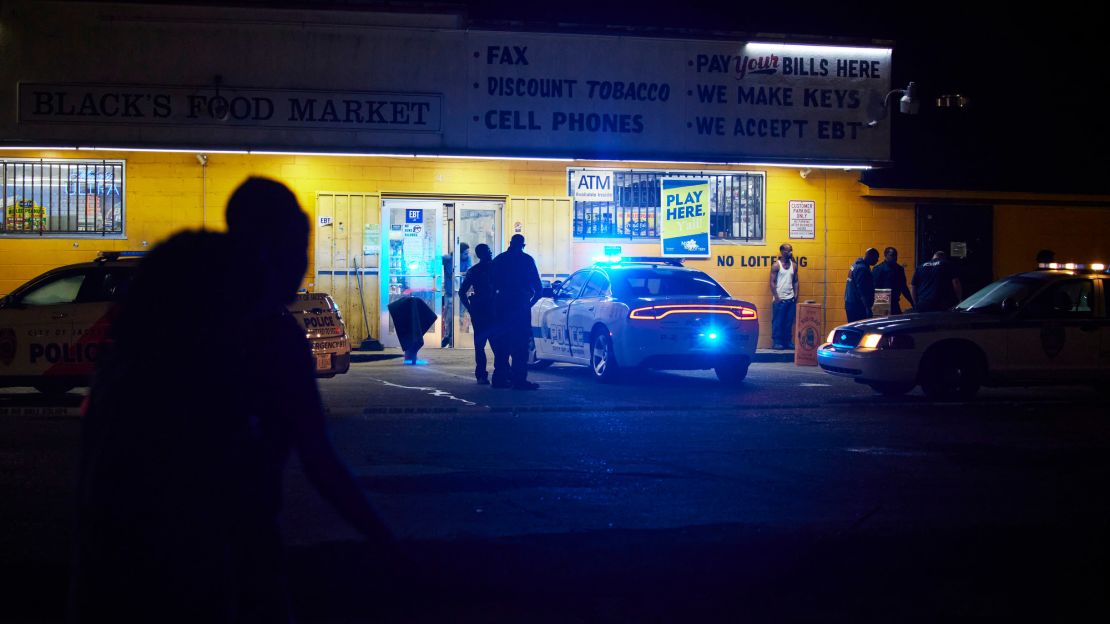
<point>784,297</point>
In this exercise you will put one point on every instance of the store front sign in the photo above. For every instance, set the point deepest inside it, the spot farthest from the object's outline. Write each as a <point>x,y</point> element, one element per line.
<point>684,213</point>
<point>193,106</point>
<point>439,91</point>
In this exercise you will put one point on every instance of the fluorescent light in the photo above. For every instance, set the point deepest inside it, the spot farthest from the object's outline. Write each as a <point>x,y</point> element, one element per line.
<point>52,147</point>
<point>803,48</point>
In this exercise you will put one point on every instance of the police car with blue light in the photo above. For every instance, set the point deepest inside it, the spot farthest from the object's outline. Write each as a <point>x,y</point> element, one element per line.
<point>620,314</point>
<point>54,327</point>
<point>1048,326</point>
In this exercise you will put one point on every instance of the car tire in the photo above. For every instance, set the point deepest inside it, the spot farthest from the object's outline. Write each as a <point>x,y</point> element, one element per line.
<point>54,388</point>
<point>891,388</point>
<point>733,372</point>
<point>603,358</point>
<point>535,363</point>
<point>951,374</point>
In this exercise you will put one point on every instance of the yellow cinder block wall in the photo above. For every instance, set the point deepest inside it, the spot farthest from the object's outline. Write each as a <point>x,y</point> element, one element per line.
<point>164,195</point>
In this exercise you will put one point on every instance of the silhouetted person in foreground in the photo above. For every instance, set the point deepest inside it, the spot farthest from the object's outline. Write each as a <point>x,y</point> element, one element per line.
<point>208,388</point>
<point>476,294</point>
<point>936,285</point>
<point>518,288</point>
<point>859,292</point>
<point>890,274</point>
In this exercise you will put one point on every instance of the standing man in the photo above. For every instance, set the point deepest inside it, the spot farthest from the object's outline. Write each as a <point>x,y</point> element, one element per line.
<point>890,274</point>
<point>480,305</point>
<point>784,297</point>
<point>518,288</point>
<point>859,293</point>
<point>936,285</point>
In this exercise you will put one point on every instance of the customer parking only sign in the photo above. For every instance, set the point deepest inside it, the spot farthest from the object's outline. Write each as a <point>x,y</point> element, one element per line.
<point>684,213</point>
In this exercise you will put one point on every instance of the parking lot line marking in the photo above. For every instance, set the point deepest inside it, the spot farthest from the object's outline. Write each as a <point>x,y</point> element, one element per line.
<point>436,392</point>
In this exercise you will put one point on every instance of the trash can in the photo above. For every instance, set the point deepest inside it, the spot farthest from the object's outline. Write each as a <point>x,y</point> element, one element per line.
<point>882,302</point>
<point>807,333</point>
<point>411,319</point>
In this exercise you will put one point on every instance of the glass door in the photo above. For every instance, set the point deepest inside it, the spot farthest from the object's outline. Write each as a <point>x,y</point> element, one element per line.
<point>475,223</point>
<point>413,262</point>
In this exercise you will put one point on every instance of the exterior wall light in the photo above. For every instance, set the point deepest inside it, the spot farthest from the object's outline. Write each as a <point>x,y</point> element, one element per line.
<point>909,104</point>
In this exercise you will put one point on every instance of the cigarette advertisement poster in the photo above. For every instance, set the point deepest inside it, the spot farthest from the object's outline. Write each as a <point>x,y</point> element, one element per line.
<point>684,218</point>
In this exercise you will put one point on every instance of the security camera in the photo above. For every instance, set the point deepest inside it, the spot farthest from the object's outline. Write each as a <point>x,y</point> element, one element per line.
<point>202,159</point>
<point>805,173</point>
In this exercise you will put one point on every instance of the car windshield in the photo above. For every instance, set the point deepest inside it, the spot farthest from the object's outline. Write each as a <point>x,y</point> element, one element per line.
<point>631,283</point>
<point>990,297</point>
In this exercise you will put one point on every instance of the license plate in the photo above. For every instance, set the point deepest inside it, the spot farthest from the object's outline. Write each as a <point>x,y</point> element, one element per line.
<point>323,361</point>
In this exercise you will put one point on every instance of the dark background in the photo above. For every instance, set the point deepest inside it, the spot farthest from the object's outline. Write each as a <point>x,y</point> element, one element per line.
<point>1035,75</point>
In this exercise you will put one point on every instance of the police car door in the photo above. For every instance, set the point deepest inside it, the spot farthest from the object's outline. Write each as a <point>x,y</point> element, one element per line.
<point>554,322</point>
<point>1055,337</point>
<point>583,313</point>
<point>39,320</point>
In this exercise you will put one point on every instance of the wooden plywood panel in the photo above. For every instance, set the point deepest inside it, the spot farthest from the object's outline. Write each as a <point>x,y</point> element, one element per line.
<point>343,270</point>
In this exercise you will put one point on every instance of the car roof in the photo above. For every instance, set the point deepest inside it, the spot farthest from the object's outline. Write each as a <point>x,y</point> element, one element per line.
<point>662,268</point>
<point>1048,275</point>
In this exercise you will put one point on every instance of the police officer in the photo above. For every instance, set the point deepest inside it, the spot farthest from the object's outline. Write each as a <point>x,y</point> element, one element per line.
<point>859,293</point>
<point>476,295</point>
<point>518,288</point>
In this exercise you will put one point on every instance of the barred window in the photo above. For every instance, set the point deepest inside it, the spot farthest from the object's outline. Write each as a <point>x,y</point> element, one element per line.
<point>62,197</point>
<point>736,206</point>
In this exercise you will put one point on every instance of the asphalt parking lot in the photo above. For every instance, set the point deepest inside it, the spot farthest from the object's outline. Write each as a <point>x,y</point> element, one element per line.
<point>668,497</point>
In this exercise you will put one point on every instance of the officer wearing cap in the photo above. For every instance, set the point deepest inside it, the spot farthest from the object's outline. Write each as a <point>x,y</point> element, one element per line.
<point>518,286</point>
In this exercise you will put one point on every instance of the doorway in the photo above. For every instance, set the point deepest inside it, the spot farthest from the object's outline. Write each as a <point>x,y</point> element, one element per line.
<point>965,233</point>
<point>428,246</point>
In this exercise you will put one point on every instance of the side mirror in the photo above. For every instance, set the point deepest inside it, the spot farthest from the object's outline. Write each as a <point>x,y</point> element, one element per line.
<point>1009,305</point>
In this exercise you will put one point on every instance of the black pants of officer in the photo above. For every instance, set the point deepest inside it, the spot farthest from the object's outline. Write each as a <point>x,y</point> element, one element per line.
<point>510,342</point>
<point>484,324</point>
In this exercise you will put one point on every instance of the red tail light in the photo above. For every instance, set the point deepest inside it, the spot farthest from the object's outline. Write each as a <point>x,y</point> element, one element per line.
<point>655,313</point>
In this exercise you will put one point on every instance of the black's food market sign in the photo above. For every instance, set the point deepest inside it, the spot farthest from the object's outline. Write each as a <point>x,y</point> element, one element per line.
<point>207,106</point>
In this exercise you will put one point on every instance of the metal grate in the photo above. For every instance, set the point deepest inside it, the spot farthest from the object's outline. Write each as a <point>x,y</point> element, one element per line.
<point>735,202</point>
<point>71,197</point>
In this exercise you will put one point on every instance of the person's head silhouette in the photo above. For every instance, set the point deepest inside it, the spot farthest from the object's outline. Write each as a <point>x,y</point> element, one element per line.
<point>270,230</point>
<point>516,242</point>
<point>483,252</point>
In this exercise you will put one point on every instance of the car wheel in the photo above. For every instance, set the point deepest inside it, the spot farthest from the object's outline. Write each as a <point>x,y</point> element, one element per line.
<point>951,374</point>
<point>533,361</point>
<point>733,372</point>
<point>891,388</point>
<point>603,359</point>
<point>54,388</point>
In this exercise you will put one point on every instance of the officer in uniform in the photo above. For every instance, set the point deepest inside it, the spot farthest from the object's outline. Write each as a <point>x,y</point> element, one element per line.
<point>518,288</point>
<point>477,296</point>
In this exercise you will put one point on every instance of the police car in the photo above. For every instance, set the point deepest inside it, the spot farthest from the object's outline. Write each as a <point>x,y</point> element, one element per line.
<point>644,312</point>
<point>53,328</point>
<point>331,347</point>
<point>1047,326</point>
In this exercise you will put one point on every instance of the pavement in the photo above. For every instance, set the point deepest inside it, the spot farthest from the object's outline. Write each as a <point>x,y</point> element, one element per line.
<point>669,497</point>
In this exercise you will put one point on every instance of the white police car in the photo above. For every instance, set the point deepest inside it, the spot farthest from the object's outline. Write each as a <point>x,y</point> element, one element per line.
<point>53,328</point>
<point>331,347</point>
<point>649,313</point>
<point>1041,327</point>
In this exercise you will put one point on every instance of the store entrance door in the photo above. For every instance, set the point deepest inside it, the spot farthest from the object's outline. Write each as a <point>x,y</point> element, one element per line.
<point>476,223</point>
<point>424,256</point>
<point>966,233</point>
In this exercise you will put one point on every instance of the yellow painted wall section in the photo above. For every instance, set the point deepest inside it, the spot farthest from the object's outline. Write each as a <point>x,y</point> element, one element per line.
<point>164,195</point>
